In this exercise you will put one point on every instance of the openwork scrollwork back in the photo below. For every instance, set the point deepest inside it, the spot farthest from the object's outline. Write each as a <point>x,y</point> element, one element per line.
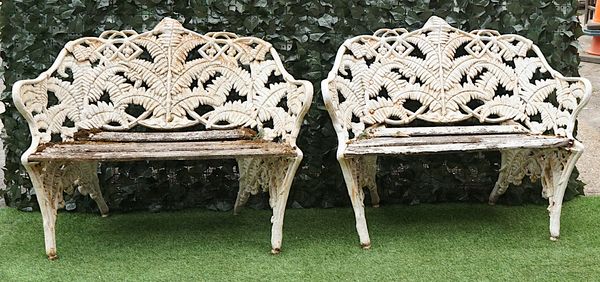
<point>166,78</point>
<point>440,74</point>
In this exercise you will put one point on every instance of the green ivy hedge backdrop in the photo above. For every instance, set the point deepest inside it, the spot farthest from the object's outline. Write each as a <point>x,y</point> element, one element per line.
<point>307,34</point>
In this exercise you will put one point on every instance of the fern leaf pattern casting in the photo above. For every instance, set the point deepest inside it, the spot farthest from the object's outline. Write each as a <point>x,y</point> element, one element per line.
<point>441,74</point>
<point>167,78</point>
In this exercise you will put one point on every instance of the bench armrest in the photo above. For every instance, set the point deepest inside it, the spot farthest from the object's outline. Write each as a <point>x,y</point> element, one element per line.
<point>332,101</point>
<point>572,96</point>
<point>302,98</point>
<point>30,98</point>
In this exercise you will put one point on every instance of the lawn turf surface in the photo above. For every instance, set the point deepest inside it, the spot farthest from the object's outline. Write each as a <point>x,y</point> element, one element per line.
<point>422,242</point>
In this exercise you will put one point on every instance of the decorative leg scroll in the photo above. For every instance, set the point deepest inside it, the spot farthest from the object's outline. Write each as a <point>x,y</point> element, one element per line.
<point>350,169</point>
<point>553,166</point>
<point>367,172</point>
<point>240,201</point>
<point>515,164</point>
<point>50,180</point>
<point>276,175</point>
<point>89,184</point>
<point>252,177</point>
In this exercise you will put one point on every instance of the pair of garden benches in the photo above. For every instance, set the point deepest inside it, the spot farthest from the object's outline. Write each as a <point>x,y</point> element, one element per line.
<point>218,96</point>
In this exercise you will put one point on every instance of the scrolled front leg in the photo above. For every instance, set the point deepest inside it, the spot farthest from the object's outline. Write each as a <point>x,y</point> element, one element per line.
<point>49,197</point>
<point>349,169</point>
<point>50,179</point>
<point>281,174</point>
<point>557,165</point>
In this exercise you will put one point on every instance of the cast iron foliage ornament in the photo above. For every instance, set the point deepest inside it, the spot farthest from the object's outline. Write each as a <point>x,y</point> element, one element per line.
<point>425,68</point>
<point>169,72</point>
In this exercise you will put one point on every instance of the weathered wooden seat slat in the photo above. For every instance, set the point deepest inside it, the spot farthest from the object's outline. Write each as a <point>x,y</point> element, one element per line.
<point>444,130</point>
<point>192,96</point>
<point>232,134</point>
<point>439,89</point>
<point>131,151</point>
<point>458,143</point>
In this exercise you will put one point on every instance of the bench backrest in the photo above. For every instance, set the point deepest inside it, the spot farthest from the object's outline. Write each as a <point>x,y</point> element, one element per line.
<point>169,78</point>
<point>440,75</point>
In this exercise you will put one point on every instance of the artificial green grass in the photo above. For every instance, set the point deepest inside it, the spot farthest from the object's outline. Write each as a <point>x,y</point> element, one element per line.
<point>423,242</point>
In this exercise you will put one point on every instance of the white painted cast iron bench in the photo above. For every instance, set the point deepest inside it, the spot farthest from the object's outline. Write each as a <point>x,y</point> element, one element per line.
<point>213,96</point>
<point>401,93</point>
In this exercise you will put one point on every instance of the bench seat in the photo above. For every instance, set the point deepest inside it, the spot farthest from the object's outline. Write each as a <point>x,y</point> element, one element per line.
<point>136,151</point>
<point>382,146</point>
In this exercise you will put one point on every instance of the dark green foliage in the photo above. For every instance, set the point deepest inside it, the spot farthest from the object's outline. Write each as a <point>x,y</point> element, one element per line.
<point>307,35</point>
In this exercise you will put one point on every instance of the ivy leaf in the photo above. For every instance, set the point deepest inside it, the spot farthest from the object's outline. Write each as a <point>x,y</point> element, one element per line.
<point>261,3</point>
<point>103,4</point>
<point>77,3</point>
<point>251,22</point>
<point>327,21</point>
